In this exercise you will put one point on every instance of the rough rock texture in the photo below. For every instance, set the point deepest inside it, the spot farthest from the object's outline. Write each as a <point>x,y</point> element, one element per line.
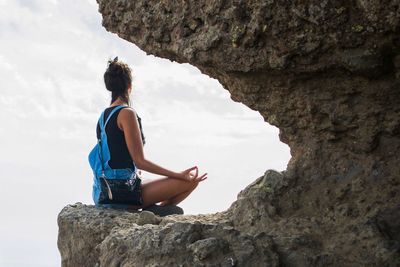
<point>90,236</point>
<point>327,74</point>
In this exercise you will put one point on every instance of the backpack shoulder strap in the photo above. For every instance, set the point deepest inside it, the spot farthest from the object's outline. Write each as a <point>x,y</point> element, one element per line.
<point>103,124</point>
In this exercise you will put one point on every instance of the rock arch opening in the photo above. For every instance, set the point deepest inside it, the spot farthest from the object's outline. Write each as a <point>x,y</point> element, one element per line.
<point>226,139</point>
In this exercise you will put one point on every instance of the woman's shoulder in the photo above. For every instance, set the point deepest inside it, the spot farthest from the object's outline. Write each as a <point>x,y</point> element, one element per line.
<point>128,113</point>
<point>128,110</point>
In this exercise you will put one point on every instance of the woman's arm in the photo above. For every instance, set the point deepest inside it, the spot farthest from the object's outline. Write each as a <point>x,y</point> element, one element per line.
<point>127,120</point>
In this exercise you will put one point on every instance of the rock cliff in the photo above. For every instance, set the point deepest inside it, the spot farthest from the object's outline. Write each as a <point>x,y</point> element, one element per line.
<point>327,74</point>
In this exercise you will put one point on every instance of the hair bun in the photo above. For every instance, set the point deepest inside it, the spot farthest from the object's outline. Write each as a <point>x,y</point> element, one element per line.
<point>114,67</point>
<point>112,61</point>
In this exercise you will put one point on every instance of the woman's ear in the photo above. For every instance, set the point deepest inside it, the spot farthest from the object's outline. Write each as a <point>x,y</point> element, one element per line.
<point>130,88</point>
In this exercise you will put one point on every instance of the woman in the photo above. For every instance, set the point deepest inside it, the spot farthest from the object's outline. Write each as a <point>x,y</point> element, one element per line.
<point>125,140</point>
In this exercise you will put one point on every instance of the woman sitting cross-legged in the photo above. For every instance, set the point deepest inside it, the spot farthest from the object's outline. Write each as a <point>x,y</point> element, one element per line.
<point>125,140</point>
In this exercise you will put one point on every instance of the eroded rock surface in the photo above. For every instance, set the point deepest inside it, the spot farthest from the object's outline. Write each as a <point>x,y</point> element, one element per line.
<point>90,236</point>
<point>327,74</point>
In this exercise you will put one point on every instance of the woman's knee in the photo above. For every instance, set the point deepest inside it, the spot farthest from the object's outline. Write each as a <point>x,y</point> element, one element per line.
<point>165,188</point>
<point>185,187</point>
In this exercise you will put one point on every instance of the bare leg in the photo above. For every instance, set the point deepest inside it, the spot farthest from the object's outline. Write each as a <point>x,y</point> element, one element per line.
<point>178,198</point>
<point>166,190</point>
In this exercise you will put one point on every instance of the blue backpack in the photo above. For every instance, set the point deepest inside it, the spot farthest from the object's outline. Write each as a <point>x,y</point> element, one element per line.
<point>99,157</point>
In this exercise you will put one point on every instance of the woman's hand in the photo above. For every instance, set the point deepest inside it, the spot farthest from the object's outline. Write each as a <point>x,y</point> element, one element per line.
<point>188,175</point>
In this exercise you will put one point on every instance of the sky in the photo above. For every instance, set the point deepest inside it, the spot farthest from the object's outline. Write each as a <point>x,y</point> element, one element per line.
<point>53,54</point>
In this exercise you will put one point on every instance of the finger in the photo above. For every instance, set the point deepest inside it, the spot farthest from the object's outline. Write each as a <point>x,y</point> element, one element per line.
<point>201,178</point>
<point>190,169</point>
<point>197,172</point>
<point>203,175</point>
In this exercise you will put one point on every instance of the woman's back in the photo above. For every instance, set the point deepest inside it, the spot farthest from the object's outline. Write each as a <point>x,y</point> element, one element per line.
<point>119,154</point>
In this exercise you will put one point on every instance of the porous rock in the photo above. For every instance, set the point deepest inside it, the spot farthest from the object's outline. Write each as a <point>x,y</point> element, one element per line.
<point>90,236</point>
<point>326,73</point>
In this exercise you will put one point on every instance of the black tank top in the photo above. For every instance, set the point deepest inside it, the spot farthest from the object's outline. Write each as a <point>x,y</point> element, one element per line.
<point>119,154</point>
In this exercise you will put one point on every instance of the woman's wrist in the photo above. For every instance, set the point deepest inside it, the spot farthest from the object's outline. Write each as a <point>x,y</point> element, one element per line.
<point>175,175</point>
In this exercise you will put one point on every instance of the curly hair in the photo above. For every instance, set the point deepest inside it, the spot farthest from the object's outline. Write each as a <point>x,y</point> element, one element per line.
<point>117,79</point>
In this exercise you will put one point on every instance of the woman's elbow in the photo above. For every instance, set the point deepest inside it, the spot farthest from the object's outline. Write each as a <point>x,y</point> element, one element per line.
<point>140,163</point>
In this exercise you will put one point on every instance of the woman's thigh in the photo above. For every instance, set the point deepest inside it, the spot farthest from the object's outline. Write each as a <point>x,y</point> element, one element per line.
<point>157,190</point>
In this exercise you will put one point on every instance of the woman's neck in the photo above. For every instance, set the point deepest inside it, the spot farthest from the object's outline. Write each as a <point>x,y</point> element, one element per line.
<point>118,102</point>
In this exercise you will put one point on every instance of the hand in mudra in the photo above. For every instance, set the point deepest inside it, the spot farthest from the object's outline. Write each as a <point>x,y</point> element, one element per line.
<point>193,177</point>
